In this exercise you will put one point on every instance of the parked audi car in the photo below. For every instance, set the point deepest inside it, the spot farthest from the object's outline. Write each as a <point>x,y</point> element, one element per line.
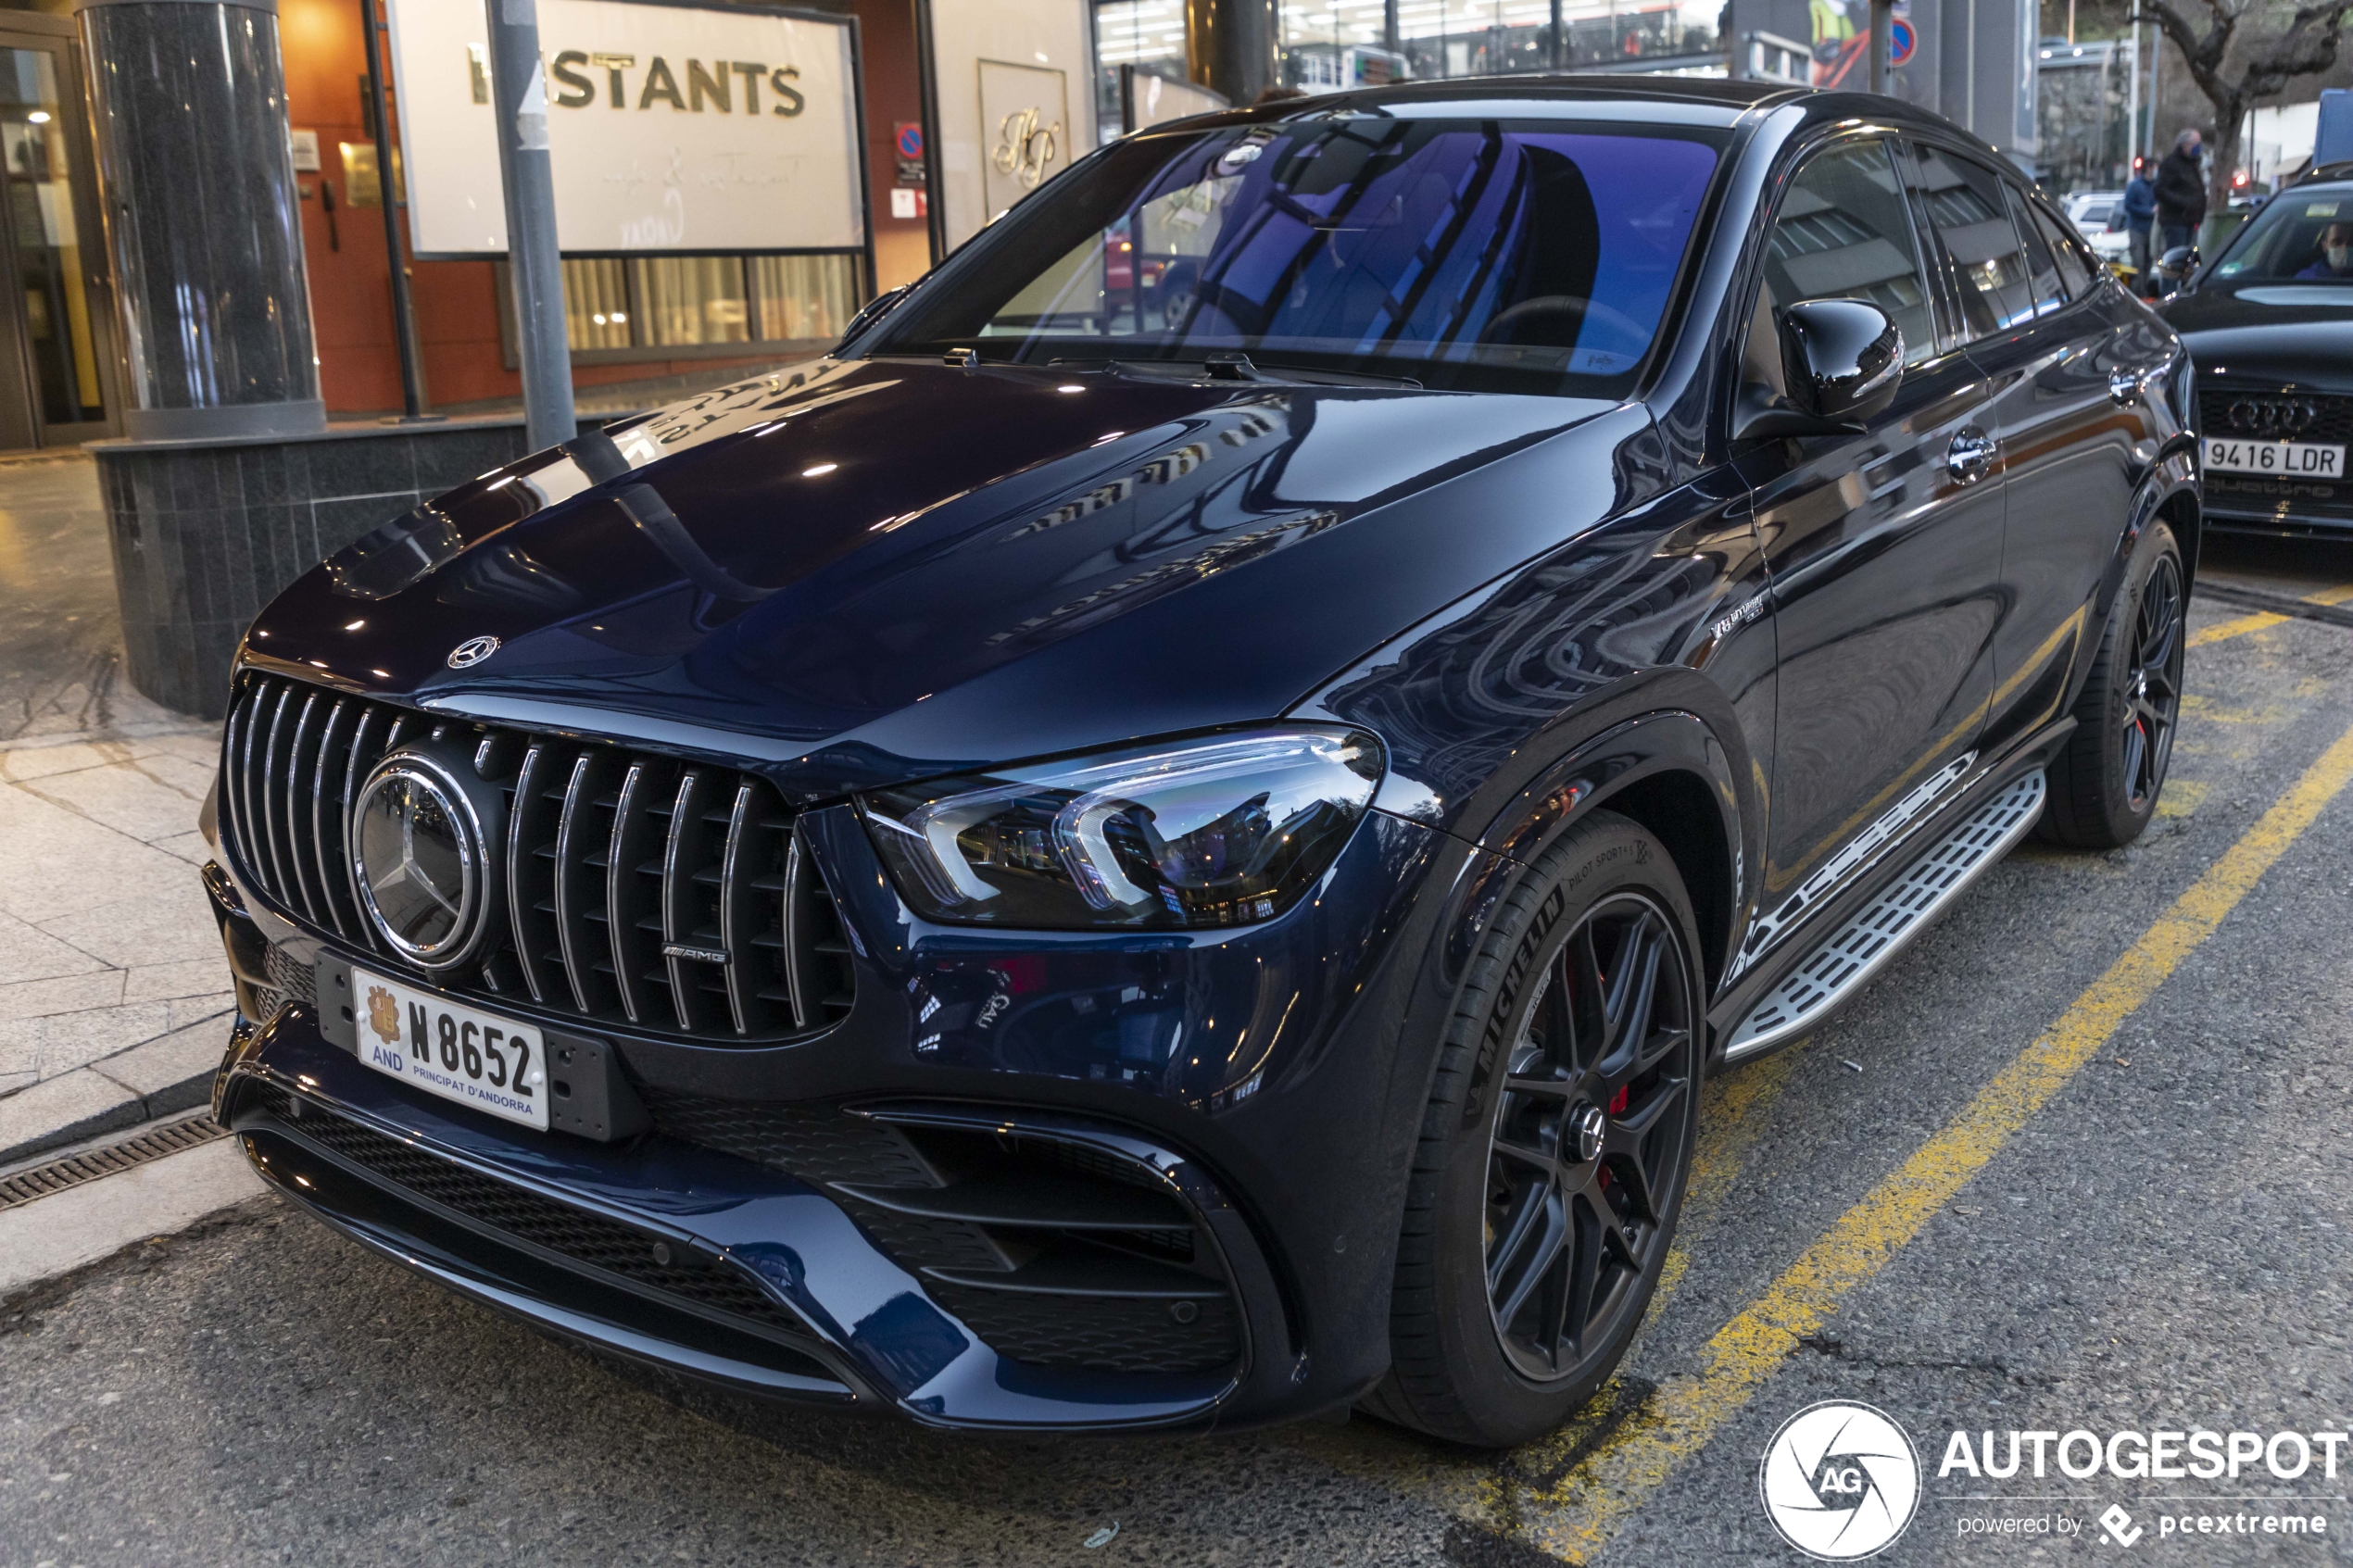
<point>2269,323</point>
<point>1100,861</point>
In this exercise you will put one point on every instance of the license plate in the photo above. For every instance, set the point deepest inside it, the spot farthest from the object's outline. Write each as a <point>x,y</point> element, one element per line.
<point>478,1058</point>
<point>2289,460</point>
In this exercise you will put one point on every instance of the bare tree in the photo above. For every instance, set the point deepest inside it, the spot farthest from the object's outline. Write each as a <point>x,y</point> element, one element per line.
<point>2203,31</point>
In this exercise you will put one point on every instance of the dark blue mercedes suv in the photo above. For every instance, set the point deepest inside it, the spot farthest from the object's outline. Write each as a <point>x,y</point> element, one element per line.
<point>1165,837</point>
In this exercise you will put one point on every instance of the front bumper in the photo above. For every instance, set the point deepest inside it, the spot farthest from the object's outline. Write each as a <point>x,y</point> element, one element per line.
<point>794,1270</point>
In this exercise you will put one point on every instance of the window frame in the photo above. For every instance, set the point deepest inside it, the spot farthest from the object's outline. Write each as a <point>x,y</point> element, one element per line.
<point>1956,324</point>
<point>2067,240</point>
<point>2029,236</point>
<point>1748,294</point>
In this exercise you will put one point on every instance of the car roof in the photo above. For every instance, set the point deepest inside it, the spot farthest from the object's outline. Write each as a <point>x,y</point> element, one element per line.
<point>1630,99</point>
<point>1686,99</point>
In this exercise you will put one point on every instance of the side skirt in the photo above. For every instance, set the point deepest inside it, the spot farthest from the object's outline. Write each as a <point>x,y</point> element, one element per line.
<point>1845,961</point>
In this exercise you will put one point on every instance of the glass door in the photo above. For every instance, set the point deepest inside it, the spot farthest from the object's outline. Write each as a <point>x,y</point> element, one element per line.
<point>52,338</point>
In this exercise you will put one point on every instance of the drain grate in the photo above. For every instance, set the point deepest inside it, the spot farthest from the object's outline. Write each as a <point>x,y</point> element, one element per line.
<point>42,1181</point>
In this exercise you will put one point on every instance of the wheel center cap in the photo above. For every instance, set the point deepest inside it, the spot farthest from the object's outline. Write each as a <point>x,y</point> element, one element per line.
<point>1585,1127</point>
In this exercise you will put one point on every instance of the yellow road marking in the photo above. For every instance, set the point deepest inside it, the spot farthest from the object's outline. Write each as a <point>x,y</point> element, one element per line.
<point>2182,796</point>
<point>1578,1517</point>
<point>2222,630</point>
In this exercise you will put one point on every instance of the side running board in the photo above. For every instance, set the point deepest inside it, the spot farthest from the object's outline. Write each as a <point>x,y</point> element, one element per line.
<point>1860,948</point>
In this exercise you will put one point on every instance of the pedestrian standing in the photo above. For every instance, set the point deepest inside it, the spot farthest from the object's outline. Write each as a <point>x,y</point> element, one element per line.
<point>2140,213</point>
<point>2181,192</point>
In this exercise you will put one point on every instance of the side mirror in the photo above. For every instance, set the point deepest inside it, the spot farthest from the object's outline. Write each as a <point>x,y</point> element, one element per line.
<point>1841,361</point>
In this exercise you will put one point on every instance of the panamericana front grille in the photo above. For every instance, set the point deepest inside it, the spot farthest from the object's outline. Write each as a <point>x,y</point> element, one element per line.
<point>676,896</point>
<point>585,1238</point>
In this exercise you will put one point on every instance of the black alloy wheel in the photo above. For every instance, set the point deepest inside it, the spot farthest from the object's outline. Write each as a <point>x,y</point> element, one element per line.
<point>1586,1138</point>
<point>2105,782</point>
<point>1555,1146</point>
<point>2153,686</point>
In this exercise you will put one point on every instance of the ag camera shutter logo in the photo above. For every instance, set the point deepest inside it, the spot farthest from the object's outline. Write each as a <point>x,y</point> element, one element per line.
<point>1840,1481</point>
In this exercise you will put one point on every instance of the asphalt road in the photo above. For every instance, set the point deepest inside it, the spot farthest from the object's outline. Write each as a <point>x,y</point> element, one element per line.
<point>2019,1186</point>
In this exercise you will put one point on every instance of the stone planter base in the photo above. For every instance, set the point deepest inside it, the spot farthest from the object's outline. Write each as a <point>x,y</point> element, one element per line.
<point>206,533</point>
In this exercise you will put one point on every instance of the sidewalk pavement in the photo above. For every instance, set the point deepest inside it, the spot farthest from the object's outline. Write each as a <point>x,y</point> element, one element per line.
<point>114,995</point>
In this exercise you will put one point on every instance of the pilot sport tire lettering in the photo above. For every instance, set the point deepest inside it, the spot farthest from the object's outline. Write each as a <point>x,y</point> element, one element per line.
<point>2105,785</point>
<point>1555,1146</point>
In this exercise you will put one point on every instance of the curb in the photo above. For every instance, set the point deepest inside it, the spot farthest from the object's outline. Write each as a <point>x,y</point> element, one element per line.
<point>169,1073</point>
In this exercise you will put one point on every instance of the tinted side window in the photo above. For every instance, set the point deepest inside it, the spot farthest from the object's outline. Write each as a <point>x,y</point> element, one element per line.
<point>1843,232</point>
<point>1964,202</point>
<point>2042,269</point>
<point>2076,268</point>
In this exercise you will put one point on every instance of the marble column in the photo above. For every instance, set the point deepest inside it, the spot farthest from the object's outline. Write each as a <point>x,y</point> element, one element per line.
<point>190,104</point>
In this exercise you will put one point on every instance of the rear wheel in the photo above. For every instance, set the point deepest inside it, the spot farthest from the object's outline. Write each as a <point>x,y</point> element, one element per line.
<point>2105,785</point>
<point>1556,1148</point>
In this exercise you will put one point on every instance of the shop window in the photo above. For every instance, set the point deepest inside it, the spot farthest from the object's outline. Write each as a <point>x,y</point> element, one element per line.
<point>659,307</point>
<point>804,296</point>
<point>596,303</point>
<point>692,299</point>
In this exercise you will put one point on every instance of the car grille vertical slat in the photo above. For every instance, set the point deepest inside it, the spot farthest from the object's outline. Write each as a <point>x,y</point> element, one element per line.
<point>632,883</point>
<point>300,765</point>
<point>326,824</point>
<point>579,889</point>
<point>693,908</point>
<point>795,870</point>
<point>229,789</point>
<point>273,779</point>
<point>683,854</point>
<point>738,912</point>
<point>531,890</point>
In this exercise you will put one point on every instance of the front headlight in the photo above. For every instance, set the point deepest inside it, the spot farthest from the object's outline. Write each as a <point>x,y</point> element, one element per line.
<point>1212,833</point>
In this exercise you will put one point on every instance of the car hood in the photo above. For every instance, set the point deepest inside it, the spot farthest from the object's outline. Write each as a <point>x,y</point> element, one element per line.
<point>2299,333</point>
<point>864,571</point>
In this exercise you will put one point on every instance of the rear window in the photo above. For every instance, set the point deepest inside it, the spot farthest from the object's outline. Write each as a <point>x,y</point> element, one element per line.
<point>1517,256</point>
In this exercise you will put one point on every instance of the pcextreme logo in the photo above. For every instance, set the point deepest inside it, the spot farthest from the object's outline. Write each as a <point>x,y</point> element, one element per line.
<point>1840,1481</point>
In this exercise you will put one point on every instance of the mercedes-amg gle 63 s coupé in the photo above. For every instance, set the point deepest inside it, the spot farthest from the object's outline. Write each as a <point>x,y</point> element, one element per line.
<point>1165,837</point>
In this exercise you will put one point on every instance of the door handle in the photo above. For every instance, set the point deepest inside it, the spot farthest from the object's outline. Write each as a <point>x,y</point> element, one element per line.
<point>2124,386</point>
<point>1971,457</point>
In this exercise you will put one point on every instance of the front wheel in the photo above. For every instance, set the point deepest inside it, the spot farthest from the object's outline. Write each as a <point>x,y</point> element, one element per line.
<point>1556,1148</point>
<point>2105,785</point>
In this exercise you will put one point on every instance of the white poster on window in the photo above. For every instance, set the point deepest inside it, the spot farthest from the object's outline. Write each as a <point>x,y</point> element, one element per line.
<point>670,128</point>
<point>1016,86</point>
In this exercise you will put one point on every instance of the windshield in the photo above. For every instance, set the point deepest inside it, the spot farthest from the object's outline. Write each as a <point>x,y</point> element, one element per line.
<point>2298,238</point>
<point>1517,256</point>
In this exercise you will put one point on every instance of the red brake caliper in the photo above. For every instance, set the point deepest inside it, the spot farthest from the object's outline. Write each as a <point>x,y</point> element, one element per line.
<point>1618,1101</point>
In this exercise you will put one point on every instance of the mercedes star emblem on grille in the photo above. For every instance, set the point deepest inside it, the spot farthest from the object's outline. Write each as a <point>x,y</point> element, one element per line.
<point>2271,416</point>
<point>417,847</point>
<point>473,651</point>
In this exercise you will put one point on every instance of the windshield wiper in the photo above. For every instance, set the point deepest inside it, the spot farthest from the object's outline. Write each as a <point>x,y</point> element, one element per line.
<point>1230,366</point>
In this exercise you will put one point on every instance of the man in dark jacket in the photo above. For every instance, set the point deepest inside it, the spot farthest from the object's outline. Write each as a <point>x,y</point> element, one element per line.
<point>2139,214</point>
<point>2181,193</point>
